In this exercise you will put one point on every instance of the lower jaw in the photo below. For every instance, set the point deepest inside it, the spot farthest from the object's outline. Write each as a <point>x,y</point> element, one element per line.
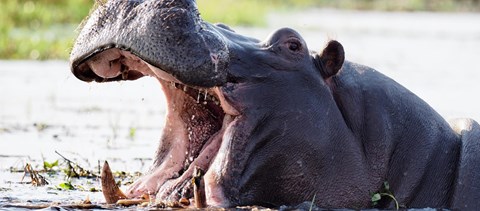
<point>212,146</point>
<point>202,162</point>
<point>171,189</point>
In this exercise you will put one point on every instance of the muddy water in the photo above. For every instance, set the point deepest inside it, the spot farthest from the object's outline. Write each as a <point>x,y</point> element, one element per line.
<point>44,109</point>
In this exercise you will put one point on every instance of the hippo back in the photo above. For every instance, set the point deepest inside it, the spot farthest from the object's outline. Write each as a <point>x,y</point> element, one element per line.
<point>405,141</point>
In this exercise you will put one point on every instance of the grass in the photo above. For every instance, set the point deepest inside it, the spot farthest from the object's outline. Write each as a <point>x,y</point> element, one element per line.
<point>39,29</point>
<point>45,29</point>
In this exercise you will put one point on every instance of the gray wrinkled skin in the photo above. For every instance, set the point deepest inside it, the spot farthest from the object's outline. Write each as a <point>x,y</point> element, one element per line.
<point>167,34</point>
<point>273,123</point>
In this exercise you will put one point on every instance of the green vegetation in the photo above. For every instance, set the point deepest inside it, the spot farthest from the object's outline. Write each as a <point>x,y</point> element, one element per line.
<point>252,12</point>
<point>385,192</point>
<point>132,132</point>
<point>66,186</point>
<point>39,29</point>
<point>45,29</point>
<point>312,203</point>
<point>49,166</point>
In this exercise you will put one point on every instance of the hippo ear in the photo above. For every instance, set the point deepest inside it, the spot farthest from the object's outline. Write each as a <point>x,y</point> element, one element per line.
<point>331,59</point>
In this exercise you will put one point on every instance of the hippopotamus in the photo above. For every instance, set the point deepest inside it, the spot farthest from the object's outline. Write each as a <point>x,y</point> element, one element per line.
<point>271,122</point>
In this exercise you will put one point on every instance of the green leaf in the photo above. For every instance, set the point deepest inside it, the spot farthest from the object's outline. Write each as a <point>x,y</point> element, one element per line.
<point>386,185</point>
<point>66,186</point>
<point>376,197</point>
<point>49,166</point>
<point>132,132</point>
<point>94,190</point>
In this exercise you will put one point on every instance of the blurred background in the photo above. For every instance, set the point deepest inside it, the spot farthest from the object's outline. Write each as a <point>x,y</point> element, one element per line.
<point>45,29</point>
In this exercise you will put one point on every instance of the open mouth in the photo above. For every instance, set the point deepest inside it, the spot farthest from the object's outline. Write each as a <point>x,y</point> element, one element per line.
<point>197,121</point>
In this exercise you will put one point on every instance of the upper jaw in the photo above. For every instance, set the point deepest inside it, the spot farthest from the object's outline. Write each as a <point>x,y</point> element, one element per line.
<point>169,35</point>
<point>115,64</point>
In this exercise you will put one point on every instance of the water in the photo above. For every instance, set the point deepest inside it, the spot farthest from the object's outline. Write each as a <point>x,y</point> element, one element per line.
<point>44,109</point>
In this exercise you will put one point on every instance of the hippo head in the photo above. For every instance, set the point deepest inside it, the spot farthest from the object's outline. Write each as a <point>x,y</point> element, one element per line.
<point>239,109</point>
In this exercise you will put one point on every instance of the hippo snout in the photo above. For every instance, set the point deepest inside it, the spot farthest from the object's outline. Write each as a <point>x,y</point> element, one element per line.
<point>169,35</point>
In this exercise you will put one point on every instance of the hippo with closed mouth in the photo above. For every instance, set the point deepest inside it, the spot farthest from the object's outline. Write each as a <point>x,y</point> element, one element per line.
<point>273,123</point>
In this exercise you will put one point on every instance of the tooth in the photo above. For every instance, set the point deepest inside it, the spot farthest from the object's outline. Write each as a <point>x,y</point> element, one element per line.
<point>111,192</point>
<point>206,94</point>
<point>185,88</point>
<point>125,75</point>
<point>198,97</point>
<point>124,72</point>
<point>199,188</point>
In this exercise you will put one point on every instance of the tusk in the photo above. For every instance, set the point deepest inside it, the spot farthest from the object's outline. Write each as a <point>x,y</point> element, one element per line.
<point>199,188</point>
<point>110,190</point>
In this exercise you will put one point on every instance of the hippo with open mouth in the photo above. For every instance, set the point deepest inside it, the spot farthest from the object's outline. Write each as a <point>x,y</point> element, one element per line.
<point>273,123</point>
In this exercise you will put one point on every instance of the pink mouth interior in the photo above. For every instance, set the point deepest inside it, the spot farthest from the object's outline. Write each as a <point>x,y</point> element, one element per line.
<point>197,119</point>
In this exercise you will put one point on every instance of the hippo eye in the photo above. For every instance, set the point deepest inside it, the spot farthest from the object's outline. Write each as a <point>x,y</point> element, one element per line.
<point>294,45</point>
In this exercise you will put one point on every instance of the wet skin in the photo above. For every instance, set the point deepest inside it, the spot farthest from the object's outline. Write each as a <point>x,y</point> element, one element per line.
<point>273,123</point>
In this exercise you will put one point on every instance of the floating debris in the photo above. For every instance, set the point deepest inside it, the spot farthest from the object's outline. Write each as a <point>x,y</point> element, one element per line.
<point>37,179</point>
<point>75,170</point>
<point>129,202</point>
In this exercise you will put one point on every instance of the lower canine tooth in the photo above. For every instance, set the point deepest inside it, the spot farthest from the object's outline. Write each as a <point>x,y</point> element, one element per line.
<point>199,188</point>
<point>125,75</point>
